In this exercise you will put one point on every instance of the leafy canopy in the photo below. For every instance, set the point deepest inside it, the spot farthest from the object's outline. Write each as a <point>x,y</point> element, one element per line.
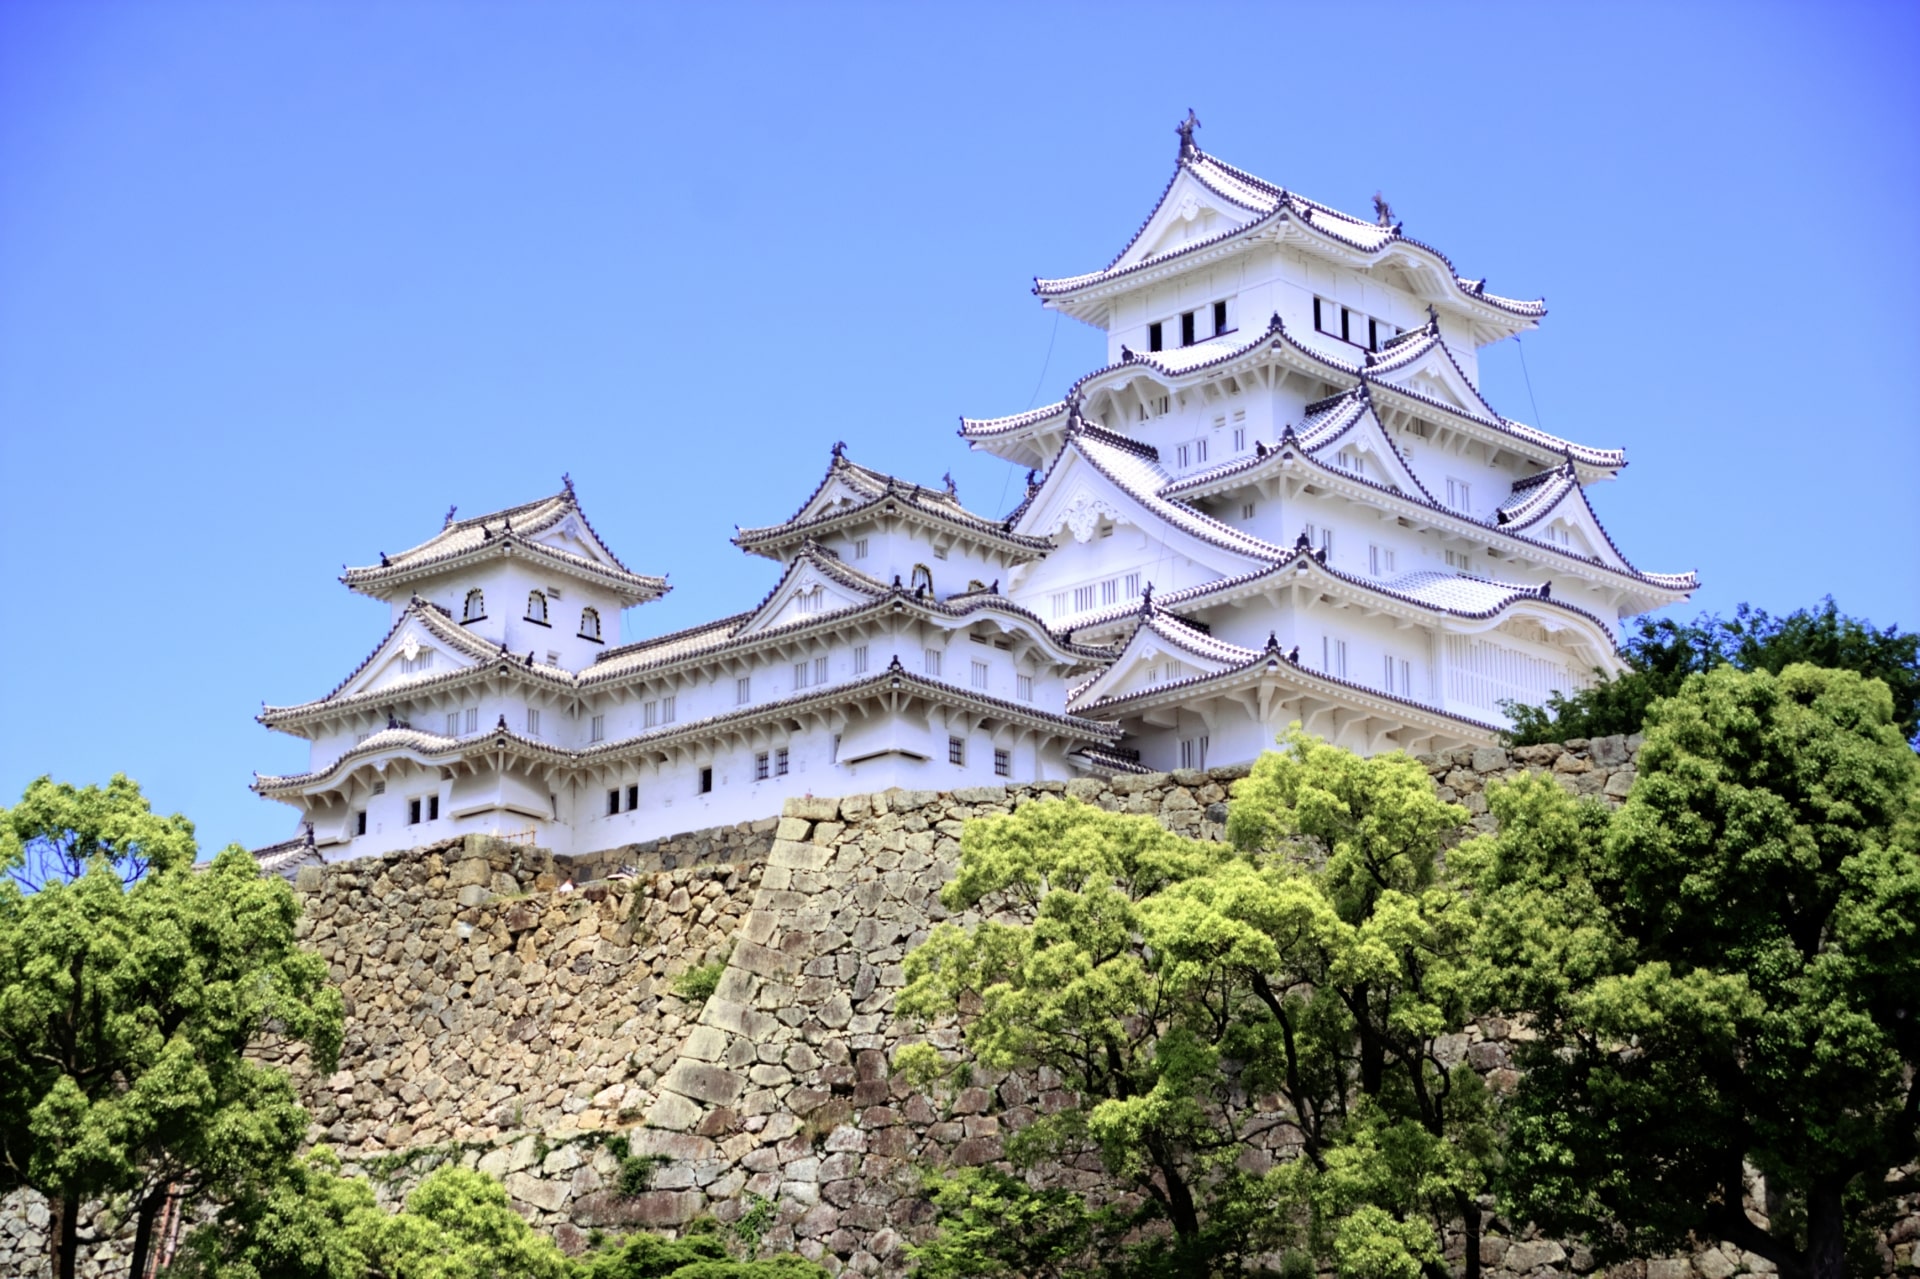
<point>1171,983</point>
<point>57,832</point>
<point>1663,653</point>
<point>127,1012</point>
<point>457,1224</point>
<point>1722,974</point>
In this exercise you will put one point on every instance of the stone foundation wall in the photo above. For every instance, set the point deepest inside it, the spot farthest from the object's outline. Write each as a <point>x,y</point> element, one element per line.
<point>515,1012</point>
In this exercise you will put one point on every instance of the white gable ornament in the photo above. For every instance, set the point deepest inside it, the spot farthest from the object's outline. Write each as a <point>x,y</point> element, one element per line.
<point>1083,514</point>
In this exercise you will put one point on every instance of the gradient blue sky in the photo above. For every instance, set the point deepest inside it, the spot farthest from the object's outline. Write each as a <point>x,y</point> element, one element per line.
<point>280,281</point>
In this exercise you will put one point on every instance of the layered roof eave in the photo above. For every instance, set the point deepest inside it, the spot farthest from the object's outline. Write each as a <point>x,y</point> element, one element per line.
<point>460,543</point>
<point>1278,214</point>
<point>997,434</point>
<point>432,749</point>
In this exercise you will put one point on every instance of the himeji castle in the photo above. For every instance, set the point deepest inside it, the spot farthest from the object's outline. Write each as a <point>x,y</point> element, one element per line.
<point>1283,498</point>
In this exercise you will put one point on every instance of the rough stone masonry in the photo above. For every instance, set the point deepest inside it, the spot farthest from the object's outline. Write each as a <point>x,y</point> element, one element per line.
<point>514,1012</point>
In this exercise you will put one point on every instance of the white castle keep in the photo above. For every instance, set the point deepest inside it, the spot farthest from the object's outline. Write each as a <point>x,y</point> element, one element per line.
<point>1282,499</point>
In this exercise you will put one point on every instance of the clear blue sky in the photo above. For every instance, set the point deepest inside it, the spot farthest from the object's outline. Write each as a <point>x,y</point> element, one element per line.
<point>279,282</point>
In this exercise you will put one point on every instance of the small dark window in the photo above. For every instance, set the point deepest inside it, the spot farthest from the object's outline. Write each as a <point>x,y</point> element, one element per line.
<point>360,822</point>
<point>1319,324</point>
<point>1346,324</point>
<point>1373,334</point>
<point>1219,317</point>
<point>780,762</point>
<point>1003,763</point>
<point>706,781</point>
<point>433,808</point>
<point>413,812</point>
<point>760,767</point>
<point>956,750</point>
<point>1186,328</point>
<point>1154,338</point>
<point>613,801</point>
<point>633,798</point>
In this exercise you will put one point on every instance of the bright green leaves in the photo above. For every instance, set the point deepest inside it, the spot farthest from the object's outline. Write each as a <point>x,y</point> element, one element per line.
<point>57,831</point>
<point>1171,983</point>
<point>127,1012</point>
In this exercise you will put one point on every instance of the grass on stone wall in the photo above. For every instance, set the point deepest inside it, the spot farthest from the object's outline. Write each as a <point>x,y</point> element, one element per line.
<point>697,985</point>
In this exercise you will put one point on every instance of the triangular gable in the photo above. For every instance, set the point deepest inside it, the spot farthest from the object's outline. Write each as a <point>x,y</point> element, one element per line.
<point>835,493</point>
<point>1430,372</point>
<point>411,651</point>
<point>1079,493</point>
<point>1362,447</point>
<point>1572,512</point>
<point>809,589</point>
<point>571,535</point>
<point>1159,652</point>
<point>1189,210</point>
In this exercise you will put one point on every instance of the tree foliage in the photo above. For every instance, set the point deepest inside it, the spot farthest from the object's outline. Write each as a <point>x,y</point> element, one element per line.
<point>1662,653</point>
<point>1723,974</point>
<point>126,1013</point>
<point>1172,983</point>
<point>57,832</point>
<point>457,1224</point>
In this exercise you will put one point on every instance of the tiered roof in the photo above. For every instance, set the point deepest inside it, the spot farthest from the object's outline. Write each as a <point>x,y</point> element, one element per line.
<point>1024,436</point>
<point>482,659</point>
<point>1228,665</point>
<point>529,530</point>
<point>1261,212</point>
<point>437,748</point>
<point>850,493</point>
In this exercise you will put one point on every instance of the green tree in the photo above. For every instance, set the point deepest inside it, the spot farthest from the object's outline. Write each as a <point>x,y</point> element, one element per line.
<point>459,1225</point>
<point>1077,987</point>
<point>309,1223</point>
<point>1320,960</point>
<point>126,1013</point>
<point>57,831</point>
<point>1722,975</point>
<point>1662,653</point>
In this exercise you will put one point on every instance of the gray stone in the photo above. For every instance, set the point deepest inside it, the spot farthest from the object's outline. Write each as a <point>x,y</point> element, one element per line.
<point>1533,1253</point>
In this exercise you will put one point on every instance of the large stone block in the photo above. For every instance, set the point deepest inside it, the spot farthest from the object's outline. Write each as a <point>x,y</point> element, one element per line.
<point>797,856</point>
<point>812,808</point>
<point>704,1082</point>
<point>548,1196</point>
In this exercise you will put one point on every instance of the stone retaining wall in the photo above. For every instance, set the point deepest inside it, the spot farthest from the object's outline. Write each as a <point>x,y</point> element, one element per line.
<point>515,1012</point>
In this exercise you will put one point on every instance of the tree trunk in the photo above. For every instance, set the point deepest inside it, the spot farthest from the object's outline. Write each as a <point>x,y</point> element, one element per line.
<point>1826,1231</point>
<point>1470,1224</point>
<point>64,1238</point>
<point>143,1232</point>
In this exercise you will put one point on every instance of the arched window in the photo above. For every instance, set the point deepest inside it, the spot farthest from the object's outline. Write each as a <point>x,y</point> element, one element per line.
<point>537,608</point>
<point>922,578</point>
<point>590,623</point>
<point>476,606</point>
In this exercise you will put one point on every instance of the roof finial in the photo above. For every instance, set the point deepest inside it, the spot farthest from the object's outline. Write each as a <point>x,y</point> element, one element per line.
<point>1146,599</point>
<point>1185,129</point>
<point>952,489</point>
<point>839,448</point>
<point>1433,318</point>
<point>1382,211</point>
<point>383,559</point>
<point>566,482</point>
<point>451,512</point>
